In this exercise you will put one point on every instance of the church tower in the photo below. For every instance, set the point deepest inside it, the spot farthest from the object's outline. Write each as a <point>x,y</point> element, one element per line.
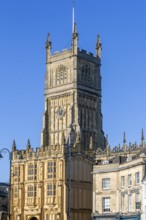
<point>73,96</point>
<point>54,182</point>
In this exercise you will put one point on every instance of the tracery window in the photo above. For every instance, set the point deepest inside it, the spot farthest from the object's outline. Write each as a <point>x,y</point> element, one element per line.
<point>16,192</point>
<point>32,191</point>
<point>86,75</point>
<point>51,169</point>
<point>61,74</point>
<point>32,171</point>
<point>51,189</point>
<point>16,173</point>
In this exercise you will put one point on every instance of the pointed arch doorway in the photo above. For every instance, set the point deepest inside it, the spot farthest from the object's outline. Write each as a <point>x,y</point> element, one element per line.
<point>33,218</point>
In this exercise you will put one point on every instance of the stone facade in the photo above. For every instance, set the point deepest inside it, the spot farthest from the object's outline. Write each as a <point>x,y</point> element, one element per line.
<point>39,184</point>
<point>54,181</point>
<point>118,183</point>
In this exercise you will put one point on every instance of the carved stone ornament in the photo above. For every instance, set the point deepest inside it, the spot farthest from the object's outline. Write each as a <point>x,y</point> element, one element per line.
<point>60,112</point>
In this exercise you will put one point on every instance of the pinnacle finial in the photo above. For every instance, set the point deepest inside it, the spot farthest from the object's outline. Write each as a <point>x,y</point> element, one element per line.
<point>142,138</point>
<point>48,38</point>
<point>75,28</point>
<point>75,40</point>
<point>107,146</point>
<point>98,39</point>
<point>48,47</point>
<point>48,42</point>
<point>124,138</point>
<point>106,140</point>
<point>28,146</point>
<point>14,145</point>
<point>142,135</point>
<point>98,47</point>
<point>124,142</point>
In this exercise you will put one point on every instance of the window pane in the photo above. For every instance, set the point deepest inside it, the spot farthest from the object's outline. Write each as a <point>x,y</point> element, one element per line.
<point>15,192</point>
<point>32,191</point>
<point>51,170</point>
<point>122,181</point>
<point>106,183</point>
<point>137,200</point>
<point>51,189</point>
<point>129,180</point>
<point>137,178</point>
<point>130,203</point>
<point>122,203</point>
<point>106,204</point>
<point>32,171</point>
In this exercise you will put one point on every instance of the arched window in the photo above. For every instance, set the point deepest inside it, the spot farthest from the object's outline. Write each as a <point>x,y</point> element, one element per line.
<point>61,74</point>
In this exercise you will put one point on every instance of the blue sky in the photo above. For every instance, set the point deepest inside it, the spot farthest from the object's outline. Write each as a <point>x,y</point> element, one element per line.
<point>23,31</point>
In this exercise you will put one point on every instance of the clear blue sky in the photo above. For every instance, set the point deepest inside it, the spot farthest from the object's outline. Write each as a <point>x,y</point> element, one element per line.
<point>23,30</point>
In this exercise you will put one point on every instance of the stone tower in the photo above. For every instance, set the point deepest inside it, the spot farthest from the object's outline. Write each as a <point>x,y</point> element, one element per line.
<point>73,96</point>
<point>54,182</point>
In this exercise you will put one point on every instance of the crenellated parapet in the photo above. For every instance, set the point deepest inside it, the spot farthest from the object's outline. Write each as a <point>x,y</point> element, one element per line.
<point>39,153</point>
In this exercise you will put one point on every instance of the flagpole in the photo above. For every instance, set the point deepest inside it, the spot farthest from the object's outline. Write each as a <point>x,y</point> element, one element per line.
<point>73,15</point>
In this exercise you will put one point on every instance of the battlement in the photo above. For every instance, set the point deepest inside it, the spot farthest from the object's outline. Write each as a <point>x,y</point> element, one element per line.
<point>58,53</point>
<point>54,151</point>
<point>66,50</point>
<point>88,56</point>
<point>39,153</point>
<point>85,52</point>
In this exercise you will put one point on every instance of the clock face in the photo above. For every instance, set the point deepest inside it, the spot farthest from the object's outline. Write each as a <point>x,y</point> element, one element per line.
<point>60,112</point>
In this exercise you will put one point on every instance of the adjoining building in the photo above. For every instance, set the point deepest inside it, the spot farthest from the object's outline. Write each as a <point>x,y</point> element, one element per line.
<point>119,183</point>
<point>54,181</point>
<point>4,201</point>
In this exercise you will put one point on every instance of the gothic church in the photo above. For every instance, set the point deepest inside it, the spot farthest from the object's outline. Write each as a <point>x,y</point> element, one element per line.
<point>54,182</point>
